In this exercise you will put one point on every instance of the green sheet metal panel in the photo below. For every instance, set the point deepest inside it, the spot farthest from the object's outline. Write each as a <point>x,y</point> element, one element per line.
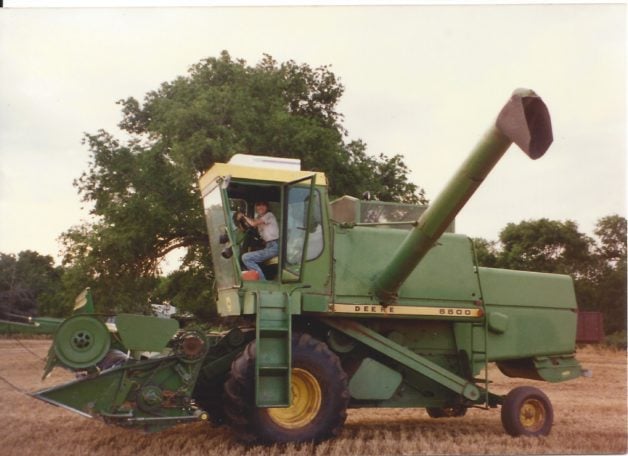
<point>527,289</point>
<point>144,333</point>
<point>151,394</point>
<point>420,336</point>
<point>374,381</point>
<point>88,396</point>
<point>533,332</point>
<point>446,273</point>
<point>557,369</point>
<point>315,303</point>
<point>529,313</point>
<point>548,368</point>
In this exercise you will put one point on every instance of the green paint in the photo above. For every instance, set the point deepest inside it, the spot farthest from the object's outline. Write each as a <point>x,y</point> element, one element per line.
<point>273,350</point>
<point>406,357</point>
<point>81,342</point>
<point>144,333</point>
<point>151,395</point>
<point>374,381</point>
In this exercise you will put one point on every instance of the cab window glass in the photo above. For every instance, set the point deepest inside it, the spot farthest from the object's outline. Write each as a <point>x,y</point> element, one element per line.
<point>298,200</point>
<point>215,218</point>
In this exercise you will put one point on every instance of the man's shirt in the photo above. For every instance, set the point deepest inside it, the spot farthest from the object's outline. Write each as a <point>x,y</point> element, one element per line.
<point>269,230</point>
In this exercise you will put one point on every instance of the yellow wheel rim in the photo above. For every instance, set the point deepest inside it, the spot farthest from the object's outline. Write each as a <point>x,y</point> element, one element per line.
<point>306,402</point>
<point>532,415</point>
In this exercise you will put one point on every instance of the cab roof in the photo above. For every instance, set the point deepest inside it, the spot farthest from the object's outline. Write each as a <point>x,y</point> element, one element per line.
<point>258,174</point>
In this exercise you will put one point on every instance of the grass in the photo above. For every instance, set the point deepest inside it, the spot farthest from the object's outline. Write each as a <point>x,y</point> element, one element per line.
<point>590,418</point>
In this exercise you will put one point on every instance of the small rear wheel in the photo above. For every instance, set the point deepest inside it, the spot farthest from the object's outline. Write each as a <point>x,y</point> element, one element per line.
<point>527,411</point>
<point>452,411</point>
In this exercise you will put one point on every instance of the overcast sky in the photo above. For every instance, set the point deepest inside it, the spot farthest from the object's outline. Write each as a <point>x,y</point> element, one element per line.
<point>421,81</point>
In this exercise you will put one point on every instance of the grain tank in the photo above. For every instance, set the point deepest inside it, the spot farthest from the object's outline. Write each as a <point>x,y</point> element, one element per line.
<point>367,304</point>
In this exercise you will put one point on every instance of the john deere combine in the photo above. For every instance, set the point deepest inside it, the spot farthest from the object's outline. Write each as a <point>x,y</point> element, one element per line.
<point>367,304</point>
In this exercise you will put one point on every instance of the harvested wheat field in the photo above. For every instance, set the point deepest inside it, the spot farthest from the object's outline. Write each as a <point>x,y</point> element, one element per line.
<point>590,418</point>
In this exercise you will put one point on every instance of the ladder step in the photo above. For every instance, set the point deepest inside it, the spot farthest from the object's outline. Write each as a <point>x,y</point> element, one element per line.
<point>274,305</point>
<point>273,314</point>
<point>276,369</point>
<point>272,391</point>
<point>273,330</point>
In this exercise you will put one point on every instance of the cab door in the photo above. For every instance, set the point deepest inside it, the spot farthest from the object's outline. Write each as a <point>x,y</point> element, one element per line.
<point>297,218</point>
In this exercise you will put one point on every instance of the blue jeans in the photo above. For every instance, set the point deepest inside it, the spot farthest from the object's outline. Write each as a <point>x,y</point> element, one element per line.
<point>252,259</point>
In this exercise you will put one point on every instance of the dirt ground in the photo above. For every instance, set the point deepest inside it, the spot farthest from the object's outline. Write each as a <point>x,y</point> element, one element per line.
<point>590,417</point>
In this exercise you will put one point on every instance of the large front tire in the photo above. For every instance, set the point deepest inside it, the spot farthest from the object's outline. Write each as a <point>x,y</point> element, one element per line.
<point>319,396</point>
<point>527,411</point>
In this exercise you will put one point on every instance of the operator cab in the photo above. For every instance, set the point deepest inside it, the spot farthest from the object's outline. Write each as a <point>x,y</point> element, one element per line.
<point>242,199</point>
<point>233,188</point>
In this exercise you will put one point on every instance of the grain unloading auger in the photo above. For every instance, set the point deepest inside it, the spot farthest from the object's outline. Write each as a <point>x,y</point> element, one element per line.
<point>367,304</point>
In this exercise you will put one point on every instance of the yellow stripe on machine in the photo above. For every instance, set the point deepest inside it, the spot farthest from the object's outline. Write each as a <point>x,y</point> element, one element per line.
<point>369,309</point>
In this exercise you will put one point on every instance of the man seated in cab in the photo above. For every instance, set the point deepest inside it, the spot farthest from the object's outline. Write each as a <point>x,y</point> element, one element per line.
<point>268,229</point>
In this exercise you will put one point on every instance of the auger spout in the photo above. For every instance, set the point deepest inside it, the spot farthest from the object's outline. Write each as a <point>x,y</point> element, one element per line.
<point>524,120</point>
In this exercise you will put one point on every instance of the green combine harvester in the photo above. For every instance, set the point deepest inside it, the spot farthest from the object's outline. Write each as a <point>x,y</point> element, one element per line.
<point>367,304</point>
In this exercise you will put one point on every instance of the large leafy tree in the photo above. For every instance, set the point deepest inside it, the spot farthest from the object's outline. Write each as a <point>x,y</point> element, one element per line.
<point>143,190</point>
<point>545,245</point>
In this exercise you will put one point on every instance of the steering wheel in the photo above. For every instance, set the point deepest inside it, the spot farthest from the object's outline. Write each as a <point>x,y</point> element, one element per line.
<point>240,221</point>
